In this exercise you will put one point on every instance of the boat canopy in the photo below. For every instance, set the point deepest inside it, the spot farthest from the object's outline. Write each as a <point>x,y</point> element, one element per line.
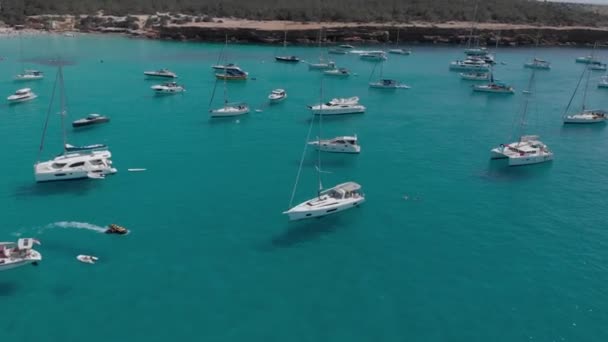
<point>26,243</point>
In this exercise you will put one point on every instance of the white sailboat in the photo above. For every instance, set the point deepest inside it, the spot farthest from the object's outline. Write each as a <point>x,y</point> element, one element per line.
<point>27,74</point>
<point>324,63</point>
<point>399,51</point>
<point>328,201</point>
<point>94,164</point>
<point>286,58</point>
<point>538,63</point>
<point>385,83</point>
<point>229,109</point>
<point>584,116</point>
<point>528,149</point>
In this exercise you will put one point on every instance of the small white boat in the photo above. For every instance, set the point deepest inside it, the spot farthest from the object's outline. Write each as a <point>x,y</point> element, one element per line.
<point>400,52</point>
<point>22,95</point>
<point>87,259</point>
<point>539,64</point>
<point>375,56</point>
<point>13,255</point>
<point>587,117</point>
<point>388,84</point>
<point>597,67</point>
<point>470,64</point>
<point>322,65</point>
<point>603,82</point>
<point>168,88</point>
<point>277,96</point>
<point>494,87</point>
<point>475,76</point>
<point>340,72</point>
<point>137,170</point>
<point>230,110</point>
<point>528,150</point>
<point>338,107</point>
<point>334,200</point>
<point>162,73</point>
<point>30,75</point>
<point>588,60</point>
<point>343,144</point>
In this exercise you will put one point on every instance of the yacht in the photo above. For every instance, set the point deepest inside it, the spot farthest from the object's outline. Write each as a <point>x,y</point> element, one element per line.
<point>376,56</point>
<point>333,200</point>
<point>230,110</point>
<point>91,119</point>
<point>162,73</point>
<point>475,76</point>
<point>340,72</point>
<point>277,96</point>
<point>478,51</point>
<point>603,82</point>
<point>344,144</point>
<point>539,64</point>
<point>78,165</point>
<point>18,254</point>
<point>587,116</point>
<point>168,88</point>
<point>22,95</point>
<point>30,75</point>
<point>339,51</point>
<point>400,52</point>
<point>287,59</point>
<point>470,64</point>
<point>588,60</point>
<point>597,66</point>
<point>528,150</point>
<point>220,67</point>
<point>232,74</point>
<point>322,65</point>
<point>494,87</point>
<point>388,84</point>
<point>339,106</point>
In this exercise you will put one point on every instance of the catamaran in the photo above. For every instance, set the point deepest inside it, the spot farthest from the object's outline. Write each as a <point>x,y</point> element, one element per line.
<point>94,164</point>
<point>18,254</point>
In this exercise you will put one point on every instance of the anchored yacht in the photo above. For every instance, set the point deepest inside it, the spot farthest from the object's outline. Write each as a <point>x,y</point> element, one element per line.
<point>22,95</point>
<point>339,106</point>
<point>333,200</point>
<point>343,144</point>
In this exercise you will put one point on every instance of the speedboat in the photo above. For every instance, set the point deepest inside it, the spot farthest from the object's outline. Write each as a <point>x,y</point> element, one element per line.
<point>400,52</point>
<point>78,165</point>
<point>587,117</point>
<point>30,75</point>
<point>388,84</point>
<point>168,88</point>
<point>287,59</point>
<point>494,87</point>
<point>162,73</point>
<point>334,200</point>
<point>22,253</point>
<point>91,119</point>
<point>475,76</point>
<point>528,150</point>
<point>322,65</point>
<point>234,74</point>
<point>277,96</point>
<point>597,66</point>
<point>86,148</point>
<point>116,229</point>
<point>22,95</point>
<point>230,110</point>
<point>375,56</point>
<point>87,259</point>
<point>339,106</point>
<point>345,144</point>
<point>538,64</point>
<point>470,64</point>
<point>340,72</point>
<point>603,82</point>
<point>587,60</point>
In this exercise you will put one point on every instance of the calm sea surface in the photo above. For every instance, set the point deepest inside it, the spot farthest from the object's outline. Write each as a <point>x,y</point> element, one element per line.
<point>478,251</point>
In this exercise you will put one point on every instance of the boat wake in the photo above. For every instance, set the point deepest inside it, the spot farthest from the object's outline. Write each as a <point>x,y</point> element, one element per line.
<point>76,225</point>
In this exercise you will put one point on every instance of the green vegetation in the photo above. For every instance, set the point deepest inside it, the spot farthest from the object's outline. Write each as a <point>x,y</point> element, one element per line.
<point>504,11</point>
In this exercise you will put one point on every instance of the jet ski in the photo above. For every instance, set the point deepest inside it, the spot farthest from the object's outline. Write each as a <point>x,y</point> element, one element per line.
<point>116,229</point>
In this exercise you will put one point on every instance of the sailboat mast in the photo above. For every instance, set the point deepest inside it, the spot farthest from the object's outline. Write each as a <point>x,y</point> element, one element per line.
<point>285,38</point>
<point>588,71</point>
<point>225,76</point>
<point>63,109</point>
<point>319,141</point>
<point>472,25</point>
<point>526,102</point>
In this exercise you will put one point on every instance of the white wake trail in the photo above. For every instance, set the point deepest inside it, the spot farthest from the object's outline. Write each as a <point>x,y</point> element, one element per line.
<point>76,225</point>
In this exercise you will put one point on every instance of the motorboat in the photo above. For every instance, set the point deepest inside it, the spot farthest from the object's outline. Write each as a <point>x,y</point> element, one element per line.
<point>220,67</point>
<point>340,72</point>
<point>588,60</point>
<point>603,82</point>
<point>338,51</point>
<point>528,150</point>
<point>587,117</point>
<point>168,88</point>
<point>18,254</point>
<point>30,75</point>
<point>85,148</point>
<point>230,110</point>
<point>339,106</point>
<point>400,52</point>
<point>478,51</point>
<point>91,119</point>
<point>277,96</point>
<point>322,65</point>
<point>287,59</point>
<point>388,84</point>
<point>162,73</point>
<point>116,229</point>
<point>494,87</point>
<point>76,165</point>
<point>539,64</point>
<point>375,56</point>
<point>343,144</point>
<point>22,95</point>
<point>470,64</point>
<point>87,259</point>
<point>475,76</point>
<point>597,66</point>
<point>232,74</point>
<point>331,201</point>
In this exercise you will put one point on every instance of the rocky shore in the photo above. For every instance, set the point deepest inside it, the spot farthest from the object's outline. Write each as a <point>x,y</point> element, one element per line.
<point>206,29</point>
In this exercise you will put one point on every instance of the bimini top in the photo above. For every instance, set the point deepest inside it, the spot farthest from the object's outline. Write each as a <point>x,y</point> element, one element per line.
<point>348,187</point>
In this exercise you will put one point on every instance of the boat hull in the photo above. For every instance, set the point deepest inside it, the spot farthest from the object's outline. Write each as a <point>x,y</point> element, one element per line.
<point>224,113</point>
<point>339,111</point>
<point>336,148</point>
<point>493,91</point>
<point>286,59</point>
<point>461,67</point>
<point>20,99</point>
<point>27,78</point>
<point>73,175</point>
<point>77,124</point>
<point>530,160</point>
<point>159,76</point>
<point>574,120</point>
<point>34,256</point>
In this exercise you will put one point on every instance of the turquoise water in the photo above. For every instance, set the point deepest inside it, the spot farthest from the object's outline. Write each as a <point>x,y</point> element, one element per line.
<point>479,252</point>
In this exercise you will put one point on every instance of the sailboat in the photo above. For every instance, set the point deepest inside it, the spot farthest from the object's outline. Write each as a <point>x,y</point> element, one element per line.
<point>386,83</point>
<point>285,58</point>
<point>537,63</point>
<point>494,87</point>
<point>399,51</point>
<point>94,164</point>
<point>328,201</point>
<point>584,116</point>
<point>229,109</point>
<point>528,149</point>
<point>323,64</point>
<point>27,74</point>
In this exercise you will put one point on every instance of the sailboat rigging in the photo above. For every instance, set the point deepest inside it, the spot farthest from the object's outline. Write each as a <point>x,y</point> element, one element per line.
<point>286,58</point>
<point>229,109</point>
<point>27,74</point>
